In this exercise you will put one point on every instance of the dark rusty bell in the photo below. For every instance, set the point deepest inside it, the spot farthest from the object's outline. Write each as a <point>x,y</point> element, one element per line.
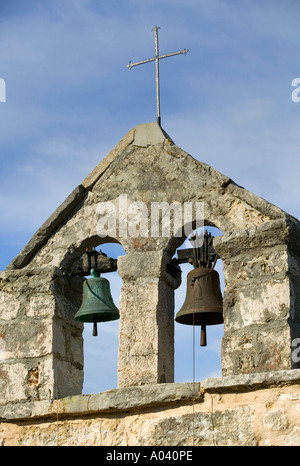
<point>203,304</point>
<point>97,303</point>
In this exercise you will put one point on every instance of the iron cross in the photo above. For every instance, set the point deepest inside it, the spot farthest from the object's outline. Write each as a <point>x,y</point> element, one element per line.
<point>156,59</point>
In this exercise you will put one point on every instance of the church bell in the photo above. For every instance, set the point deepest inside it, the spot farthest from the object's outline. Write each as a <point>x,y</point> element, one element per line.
<point>97,302</point>
<point>203,303</point>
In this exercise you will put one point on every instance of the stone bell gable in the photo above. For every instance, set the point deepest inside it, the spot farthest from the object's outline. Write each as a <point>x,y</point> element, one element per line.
<point>41,343</point>
<point>146,166</point>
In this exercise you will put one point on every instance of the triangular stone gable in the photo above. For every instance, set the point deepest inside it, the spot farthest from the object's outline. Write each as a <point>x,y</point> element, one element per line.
<point>148,166</point>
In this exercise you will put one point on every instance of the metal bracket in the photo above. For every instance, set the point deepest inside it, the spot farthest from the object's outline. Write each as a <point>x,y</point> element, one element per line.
<point>204,255</point>
<point>92,259</point>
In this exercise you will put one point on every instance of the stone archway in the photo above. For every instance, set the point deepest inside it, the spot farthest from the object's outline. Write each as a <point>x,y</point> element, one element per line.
<point>192,360</point>
<point>68,296</point>
<point>260,252</point>
<point>101,352</point>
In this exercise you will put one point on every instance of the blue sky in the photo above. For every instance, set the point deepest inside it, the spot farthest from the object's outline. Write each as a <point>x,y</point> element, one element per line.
<point>70,99</point>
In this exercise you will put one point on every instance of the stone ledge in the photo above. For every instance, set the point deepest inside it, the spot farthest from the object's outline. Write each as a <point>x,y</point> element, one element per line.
<point>283,231</point>
<point>111,401</point>
<point>146,396</point>
<point>248,382</point>
<point>131,398</point>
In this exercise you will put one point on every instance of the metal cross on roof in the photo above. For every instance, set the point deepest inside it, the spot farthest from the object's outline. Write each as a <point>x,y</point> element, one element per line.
<point>156,59</point>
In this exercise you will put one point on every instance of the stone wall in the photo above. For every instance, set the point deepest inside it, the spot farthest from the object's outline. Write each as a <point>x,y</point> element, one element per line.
<point>41,350</point>
<point>261,306</point>
<point>41,355</point>
<point>246,410</point>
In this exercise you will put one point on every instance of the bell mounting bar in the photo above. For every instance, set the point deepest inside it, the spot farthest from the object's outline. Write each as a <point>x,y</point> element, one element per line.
<point>98,261</point>
<point>204,255</point>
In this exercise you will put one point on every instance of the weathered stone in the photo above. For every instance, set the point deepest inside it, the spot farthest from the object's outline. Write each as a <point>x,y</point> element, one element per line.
<point>25,381</point>
<point>256,204</point>
<point>253,381</point>
<point>263,236</point>
<point>256,349</point>
<point>276,419</point>
<point>147,264</point>
<point>9,306</point>
<point>245,410</point>
<point>91,179</point>
<point>10,390</point>
<point>293,438</point>
<point>149,134</point>
<point>257,303</point>
<point>40,305</point>
<point>145,360</point>
<point>25,340</point>
<point>132,398</point>
<point>34,343</point>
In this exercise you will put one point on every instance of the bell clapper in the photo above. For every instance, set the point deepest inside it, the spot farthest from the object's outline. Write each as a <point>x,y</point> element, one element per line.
<point>203,336</point>
<point>95,332</point>
<point>95,274</point>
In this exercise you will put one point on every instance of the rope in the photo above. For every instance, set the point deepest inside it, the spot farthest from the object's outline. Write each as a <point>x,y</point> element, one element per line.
<point>194,383</point>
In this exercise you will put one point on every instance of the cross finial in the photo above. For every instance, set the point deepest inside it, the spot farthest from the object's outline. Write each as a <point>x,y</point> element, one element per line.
<point>156,59</point>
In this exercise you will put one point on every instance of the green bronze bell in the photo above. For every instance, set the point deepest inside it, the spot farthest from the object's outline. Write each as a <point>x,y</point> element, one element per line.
<point>97,303</point>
